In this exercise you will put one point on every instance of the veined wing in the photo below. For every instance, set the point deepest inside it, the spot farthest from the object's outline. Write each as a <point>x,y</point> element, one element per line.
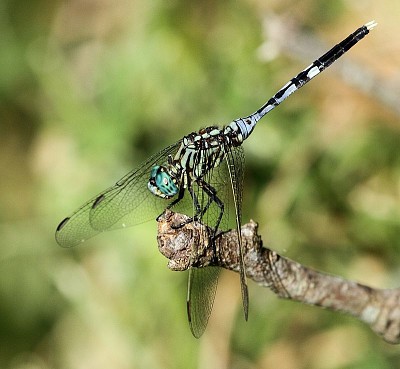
<point>202,286</point>
<point>235,160</point>
<point>127,203</point>
<point>203,282</point>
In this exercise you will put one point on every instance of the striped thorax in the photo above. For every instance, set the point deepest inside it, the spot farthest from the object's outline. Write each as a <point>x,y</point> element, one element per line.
<point>198,153</point>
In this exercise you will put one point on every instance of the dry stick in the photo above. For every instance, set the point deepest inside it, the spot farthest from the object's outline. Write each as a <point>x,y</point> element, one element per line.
<point>379,308</point>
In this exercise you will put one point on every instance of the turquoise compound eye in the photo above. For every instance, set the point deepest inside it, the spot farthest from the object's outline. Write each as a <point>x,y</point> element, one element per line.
<point>161,183</point>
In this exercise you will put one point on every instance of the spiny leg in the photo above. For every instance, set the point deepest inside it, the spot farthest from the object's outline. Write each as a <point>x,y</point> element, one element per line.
<point>212,197</point>
<point>199,210</point>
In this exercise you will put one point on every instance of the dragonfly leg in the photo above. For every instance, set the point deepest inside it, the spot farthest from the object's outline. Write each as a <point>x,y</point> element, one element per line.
<point>212,197</point>
<point>198,210</point>
<point>181,194</point>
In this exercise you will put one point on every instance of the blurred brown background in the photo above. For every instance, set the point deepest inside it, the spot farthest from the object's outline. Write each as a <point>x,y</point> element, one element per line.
<point>90,88</point>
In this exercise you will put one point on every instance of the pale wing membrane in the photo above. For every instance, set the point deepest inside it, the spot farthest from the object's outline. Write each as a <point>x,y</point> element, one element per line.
<point>202,286</point>
<point>203,282</point>
<point>126,203</point>
<point>235,160</point>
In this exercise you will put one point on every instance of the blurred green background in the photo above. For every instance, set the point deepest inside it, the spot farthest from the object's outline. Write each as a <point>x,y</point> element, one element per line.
<point>90,88</point>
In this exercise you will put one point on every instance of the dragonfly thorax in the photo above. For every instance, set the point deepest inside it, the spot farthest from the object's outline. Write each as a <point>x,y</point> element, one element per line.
<point>162,183</point>
<point>198,153</point>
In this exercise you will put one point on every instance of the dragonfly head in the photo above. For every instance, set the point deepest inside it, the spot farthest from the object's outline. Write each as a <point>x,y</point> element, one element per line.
<point>161,183</point>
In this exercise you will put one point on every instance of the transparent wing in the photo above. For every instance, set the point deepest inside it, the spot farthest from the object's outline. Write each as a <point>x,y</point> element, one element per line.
<point>127,203</point>
<point>235,160</point>
<point>202,283</point>
<point>202,286</point>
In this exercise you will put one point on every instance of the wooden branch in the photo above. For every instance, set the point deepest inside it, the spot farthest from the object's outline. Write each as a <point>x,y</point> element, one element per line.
<point>378,308</point>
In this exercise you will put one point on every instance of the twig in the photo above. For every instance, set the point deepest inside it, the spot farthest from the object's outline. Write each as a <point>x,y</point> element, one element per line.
<point>379,308</point>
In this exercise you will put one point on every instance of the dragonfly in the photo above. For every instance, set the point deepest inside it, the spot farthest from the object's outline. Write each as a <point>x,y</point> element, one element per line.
<point>202,165</point>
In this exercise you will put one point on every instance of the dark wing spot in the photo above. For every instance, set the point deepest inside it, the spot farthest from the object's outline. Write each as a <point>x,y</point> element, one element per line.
<point>98,201</point>
<point>62,224</point>
<point>248,121</point>
<point>189,311</point>
<point>121,181</point>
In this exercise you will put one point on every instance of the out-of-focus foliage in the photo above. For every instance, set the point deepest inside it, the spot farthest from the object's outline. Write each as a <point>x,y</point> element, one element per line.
<point>89,89</point>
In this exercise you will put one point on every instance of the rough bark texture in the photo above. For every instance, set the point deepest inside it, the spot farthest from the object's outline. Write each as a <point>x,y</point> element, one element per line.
<point>379,308</point>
